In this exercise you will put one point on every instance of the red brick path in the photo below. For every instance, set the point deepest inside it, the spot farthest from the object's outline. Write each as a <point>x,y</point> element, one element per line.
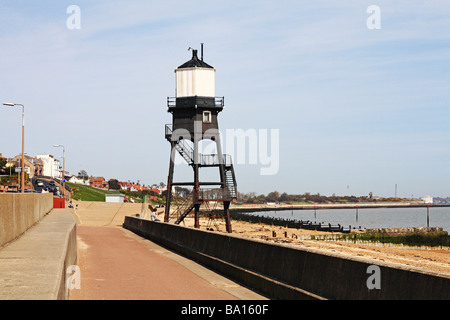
<point>114,265</point>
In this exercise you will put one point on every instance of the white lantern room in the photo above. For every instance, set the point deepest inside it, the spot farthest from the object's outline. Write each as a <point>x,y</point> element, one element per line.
<point>195,78</point>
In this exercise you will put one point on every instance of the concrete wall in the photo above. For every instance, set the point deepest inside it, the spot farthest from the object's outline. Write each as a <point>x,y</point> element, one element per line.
<point>70,253</point>
<point>35,266</point>
<point>18,212</point>
<point>287,272</point>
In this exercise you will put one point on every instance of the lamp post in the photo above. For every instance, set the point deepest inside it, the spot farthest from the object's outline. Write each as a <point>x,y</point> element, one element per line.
<point>9,104</point>
<point>63,180</point>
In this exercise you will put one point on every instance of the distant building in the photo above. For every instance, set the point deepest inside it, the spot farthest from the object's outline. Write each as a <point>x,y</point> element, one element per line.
<point>38,166</point>
<point>132,186</point>
<point>441,200</point>
<point>51,166</point>
<point>158,191</point>
<point>427,199</point>
<point>79,180</point>
<point>114,197</point>
<point>98,182</point>
<point>33,166</point>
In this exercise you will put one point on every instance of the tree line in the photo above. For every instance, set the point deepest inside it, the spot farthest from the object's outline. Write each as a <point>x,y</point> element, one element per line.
<point>275,196</point>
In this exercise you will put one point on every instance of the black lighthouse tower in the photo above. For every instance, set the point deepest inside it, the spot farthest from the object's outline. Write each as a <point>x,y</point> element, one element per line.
<point>195,111</point>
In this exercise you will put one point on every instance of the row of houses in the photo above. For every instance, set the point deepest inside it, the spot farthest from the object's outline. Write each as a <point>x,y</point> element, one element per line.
<point>102,183</point>
<point>49,166</point>
<point>41,165</point>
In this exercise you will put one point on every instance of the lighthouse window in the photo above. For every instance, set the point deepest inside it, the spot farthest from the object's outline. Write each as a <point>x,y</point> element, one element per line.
<point>206,116</point>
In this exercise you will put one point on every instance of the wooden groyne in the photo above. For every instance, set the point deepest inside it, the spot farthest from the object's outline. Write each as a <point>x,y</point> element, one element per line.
<point>298,224</point>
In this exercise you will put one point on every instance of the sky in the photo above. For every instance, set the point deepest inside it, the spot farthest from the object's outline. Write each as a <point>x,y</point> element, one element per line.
<point>335,97</point>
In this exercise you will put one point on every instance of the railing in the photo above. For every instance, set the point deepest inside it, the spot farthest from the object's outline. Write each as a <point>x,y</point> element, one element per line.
<point>182,210</point>
<point>185,151</point>
<point>171,102</point>
<point>213,159</point>
<point>219,102</point>
<point>231,182</point>
<point>188,153</point>
<point>169,129</point>
<point>213,194</point>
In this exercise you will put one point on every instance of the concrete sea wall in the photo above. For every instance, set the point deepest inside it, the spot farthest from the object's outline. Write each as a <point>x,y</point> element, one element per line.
<point>287,272</point>
<point>35,265</point>
<point>18,212</point>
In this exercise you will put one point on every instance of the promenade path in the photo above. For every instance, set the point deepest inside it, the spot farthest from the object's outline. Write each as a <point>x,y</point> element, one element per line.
<point>116,264</point>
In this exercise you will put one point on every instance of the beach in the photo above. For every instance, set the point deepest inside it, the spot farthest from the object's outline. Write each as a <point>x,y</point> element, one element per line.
<point>427,259</point>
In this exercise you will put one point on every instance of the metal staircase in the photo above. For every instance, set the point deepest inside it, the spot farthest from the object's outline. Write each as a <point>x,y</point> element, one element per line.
<point>182,210</point>
<point>185,151</point>
<point>230,181</point>
<point>207,160</point>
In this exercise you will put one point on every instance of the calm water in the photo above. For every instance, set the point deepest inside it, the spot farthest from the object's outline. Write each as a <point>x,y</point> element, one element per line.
<point>370,217</point>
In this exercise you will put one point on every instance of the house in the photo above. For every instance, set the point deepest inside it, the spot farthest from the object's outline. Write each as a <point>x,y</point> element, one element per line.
<point>98,182</point>
<point>123,185</point>
<point>51,166</point>
<point>38,166</point>
<point>79,180</point>
<point>158,191</point>
<point>33,166</point>
<point>132,186</point>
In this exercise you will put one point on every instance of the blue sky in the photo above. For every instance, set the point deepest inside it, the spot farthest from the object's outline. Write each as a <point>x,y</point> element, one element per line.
<point>354,107</point>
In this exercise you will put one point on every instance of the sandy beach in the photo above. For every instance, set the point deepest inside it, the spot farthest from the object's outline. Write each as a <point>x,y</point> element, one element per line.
<point>427,259</point>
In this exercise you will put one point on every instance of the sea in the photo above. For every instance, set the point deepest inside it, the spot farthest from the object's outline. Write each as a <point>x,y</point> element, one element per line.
<point>369,218</point>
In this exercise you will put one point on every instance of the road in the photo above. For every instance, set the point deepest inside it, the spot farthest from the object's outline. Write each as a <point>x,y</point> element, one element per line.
<point>40,183</point>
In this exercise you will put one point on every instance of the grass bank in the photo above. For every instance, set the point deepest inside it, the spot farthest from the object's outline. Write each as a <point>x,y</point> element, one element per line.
<point>88,193</point>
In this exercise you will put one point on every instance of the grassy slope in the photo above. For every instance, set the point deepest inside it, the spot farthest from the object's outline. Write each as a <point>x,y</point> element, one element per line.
<point>88,193</point>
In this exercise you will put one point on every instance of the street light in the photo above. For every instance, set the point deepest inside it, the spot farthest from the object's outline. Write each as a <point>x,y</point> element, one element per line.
<point>63,180</point>
<point>9,104</point>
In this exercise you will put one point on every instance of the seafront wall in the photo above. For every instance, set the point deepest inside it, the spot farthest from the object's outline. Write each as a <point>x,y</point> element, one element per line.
<point>37,265</point>
<point>20,211</point>
<point>286,272</point>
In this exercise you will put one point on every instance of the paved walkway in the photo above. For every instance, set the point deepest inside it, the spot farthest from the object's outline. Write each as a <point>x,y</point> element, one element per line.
<point>117,264</point>
<point>31,266</point>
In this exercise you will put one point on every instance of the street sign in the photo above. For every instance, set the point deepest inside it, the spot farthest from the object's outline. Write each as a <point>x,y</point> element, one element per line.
<point>63,180</point>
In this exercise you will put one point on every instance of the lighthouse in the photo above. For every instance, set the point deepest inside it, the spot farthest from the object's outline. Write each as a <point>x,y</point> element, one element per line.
<point>195,110</point>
